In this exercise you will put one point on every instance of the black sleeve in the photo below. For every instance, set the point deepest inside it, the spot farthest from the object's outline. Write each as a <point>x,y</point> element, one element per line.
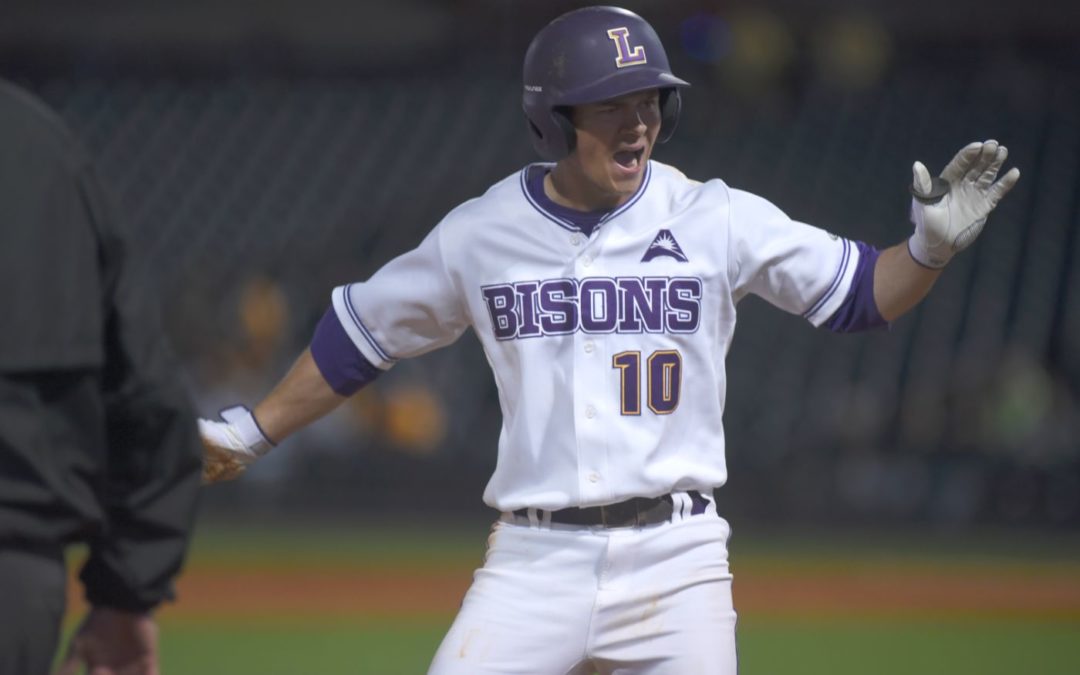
<point>151,483</point>
<point>50,286</point>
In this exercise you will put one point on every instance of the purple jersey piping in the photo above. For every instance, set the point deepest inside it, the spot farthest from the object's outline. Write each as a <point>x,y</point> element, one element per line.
<point>363,329</point>
<point>835,282</point>
<point>567,225</point>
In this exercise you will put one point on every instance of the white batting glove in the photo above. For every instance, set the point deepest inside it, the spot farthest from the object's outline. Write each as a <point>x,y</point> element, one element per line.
<point>229,447</point>
<point>949,212</point>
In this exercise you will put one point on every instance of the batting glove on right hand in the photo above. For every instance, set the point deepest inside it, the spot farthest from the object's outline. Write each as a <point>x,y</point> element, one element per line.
<point>229,447</point>
<point>949,212</point>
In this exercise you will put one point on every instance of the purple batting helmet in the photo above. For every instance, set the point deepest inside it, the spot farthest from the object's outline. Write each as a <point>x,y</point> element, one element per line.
<point>589,55</point>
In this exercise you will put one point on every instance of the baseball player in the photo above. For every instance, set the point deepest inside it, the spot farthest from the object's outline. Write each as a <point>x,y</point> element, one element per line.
<point>603,286</point>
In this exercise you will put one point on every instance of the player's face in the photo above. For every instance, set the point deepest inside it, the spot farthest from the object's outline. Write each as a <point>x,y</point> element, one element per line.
<point>614,141</point>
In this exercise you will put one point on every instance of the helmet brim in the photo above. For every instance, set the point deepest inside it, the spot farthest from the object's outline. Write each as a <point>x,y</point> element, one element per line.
<point>619,84</point>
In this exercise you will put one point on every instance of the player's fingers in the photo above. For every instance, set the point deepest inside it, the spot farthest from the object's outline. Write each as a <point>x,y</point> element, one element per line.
<point>982,161</point>
<point>210,474</point>
<point>986,178</point>
<point>960,163</point>
<point>228,472</point>
<point>216,473</point>
<point>219,464</point>
<point>1002,186</point>
<point>920,178</point>
<point>214,464</point>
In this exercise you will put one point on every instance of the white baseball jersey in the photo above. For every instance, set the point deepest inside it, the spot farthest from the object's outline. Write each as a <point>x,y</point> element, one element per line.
<point>608,350</point>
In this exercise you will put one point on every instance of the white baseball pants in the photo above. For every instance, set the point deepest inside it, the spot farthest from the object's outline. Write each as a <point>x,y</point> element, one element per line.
<point>574,600</point>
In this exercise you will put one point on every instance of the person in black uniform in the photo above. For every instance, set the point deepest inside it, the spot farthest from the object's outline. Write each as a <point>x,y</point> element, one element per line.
<point>98,442</point>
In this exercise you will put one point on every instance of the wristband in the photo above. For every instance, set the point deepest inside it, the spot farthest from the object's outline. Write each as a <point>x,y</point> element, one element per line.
<point>247,428</point>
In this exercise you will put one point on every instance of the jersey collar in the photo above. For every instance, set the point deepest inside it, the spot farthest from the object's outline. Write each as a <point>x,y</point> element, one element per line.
<point>568,224</point>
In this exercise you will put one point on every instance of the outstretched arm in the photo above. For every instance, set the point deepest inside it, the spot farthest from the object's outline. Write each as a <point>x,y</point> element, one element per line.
<point>301,397</point>
<point>949,213</point>
<point>324,375</point>
<point>900,283</point>
<point>411,306</point>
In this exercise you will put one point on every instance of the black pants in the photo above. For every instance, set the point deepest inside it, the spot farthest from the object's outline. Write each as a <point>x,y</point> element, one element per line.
<point>32,595</point>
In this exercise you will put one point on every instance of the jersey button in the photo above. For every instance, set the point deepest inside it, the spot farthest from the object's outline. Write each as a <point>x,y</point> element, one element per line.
<point>594,477</point>
<point>589,347</point>
<point>586,261</point>
<point>590,411</point>
<point>576,240</point>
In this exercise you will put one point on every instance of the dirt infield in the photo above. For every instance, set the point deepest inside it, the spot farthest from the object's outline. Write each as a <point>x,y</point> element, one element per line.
<point>868,591</point>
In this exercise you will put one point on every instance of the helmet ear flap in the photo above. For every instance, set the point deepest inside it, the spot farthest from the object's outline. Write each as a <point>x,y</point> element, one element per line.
<point>537,136</point>
<point>670,108</point>
<point>561,115</point>
<point>552,133</point>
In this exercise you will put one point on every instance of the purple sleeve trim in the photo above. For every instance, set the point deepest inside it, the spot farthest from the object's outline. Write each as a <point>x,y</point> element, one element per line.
<point>342,365</point>
<point>835,282</point>
<point>859,311</point>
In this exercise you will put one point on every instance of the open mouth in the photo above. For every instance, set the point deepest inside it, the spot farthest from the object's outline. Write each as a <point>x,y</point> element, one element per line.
<point>629,159</point>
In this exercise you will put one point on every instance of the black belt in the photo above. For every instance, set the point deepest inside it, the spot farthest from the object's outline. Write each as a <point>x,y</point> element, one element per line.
<point>633,512</point>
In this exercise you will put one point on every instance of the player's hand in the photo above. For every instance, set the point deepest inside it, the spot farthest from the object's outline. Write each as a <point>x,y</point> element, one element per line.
<point>230,446</point>
<point>949,212</point>
<point>113,642</point>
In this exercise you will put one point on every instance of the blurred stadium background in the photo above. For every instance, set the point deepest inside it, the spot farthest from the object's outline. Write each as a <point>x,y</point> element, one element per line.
<point>266,151</point>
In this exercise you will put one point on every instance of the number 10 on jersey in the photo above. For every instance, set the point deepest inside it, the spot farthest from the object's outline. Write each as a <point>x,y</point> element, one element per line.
<point>663,379</point>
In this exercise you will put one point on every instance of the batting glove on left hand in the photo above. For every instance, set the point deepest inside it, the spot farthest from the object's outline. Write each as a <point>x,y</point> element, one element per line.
<point>949,212</point>
<point>229,447</point>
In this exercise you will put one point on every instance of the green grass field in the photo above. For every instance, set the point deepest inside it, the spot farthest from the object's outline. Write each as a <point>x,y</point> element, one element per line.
<point>383,647</point>
<point>204,639</point>
<point>766,647</point>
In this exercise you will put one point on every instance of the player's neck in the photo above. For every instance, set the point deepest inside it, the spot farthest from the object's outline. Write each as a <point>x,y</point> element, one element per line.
<point>567,186</point>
